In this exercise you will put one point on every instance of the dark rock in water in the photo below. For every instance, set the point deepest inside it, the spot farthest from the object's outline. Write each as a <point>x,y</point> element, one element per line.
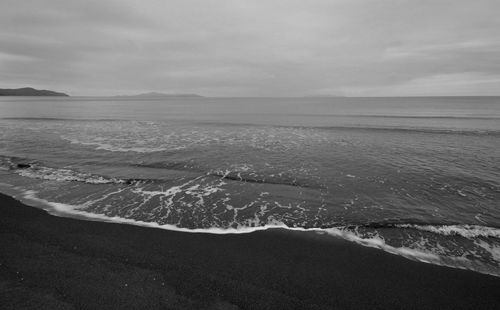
<point>28,91</point>
<point>23,166</point>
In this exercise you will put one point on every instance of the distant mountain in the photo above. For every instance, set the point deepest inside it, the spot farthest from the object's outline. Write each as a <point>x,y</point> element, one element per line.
<point>154,95</point>
<point>28,91</point>
<point>324,96</point>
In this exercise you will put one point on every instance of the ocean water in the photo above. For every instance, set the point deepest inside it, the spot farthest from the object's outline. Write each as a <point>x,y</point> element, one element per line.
<point>417,177</point>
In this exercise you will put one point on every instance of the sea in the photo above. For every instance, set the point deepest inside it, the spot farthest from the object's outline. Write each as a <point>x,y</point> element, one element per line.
<point>417,177</point>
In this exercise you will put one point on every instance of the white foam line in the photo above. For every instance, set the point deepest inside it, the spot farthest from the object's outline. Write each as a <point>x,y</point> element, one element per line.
<point>416,255</point>
<point>466,231</point>
<point>65,210</point>
<point>61,209</point>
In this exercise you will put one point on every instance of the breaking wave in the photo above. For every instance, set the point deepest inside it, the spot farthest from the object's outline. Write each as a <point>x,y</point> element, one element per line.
<point>36,171</point>
<point>428,248</point>
<point>46,173</point>
<point>467,231</point>
<point>210,203</point>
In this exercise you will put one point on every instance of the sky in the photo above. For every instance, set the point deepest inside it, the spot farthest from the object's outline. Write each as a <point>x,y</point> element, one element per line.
<point>252,47</point>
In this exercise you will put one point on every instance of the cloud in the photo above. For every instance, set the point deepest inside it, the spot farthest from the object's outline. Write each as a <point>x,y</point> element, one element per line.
<point>250,48</point>
<point>457,84</point>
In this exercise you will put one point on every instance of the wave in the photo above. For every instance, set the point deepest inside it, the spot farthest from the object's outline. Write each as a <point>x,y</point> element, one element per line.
<point>45,173</point>
<point>180,166</point>
<point>463,230</point>
<point>32,169</point>
<point>428,130</point>
<point>248,179</point>
<point>466,231</point>
<point>446,229</point>
<point>461,131</point>
<point>67,175</point>
<point>433,130</point>
<point>112,148</point>
<point>432,255</point>
<point>418,254</point>
<point>36,171</point>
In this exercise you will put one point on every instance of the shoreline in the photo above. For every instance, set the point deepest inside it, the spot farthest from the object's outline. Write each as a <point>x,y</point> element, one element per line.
<point>61,210</point>
<point>49,262</point>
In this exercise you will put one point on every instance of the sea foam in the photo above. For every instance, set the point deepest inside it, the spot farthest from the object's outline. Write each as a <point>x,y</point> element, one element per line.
<point>467,231</point>
<point>61,174</point>
<point>373,240</point>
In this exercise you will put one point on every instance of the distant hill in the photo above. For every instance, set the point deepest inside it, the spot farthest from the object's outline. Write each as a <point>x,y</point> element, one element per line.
<point>324,96</point>
<point>28,91</point>
<point>154,95</point>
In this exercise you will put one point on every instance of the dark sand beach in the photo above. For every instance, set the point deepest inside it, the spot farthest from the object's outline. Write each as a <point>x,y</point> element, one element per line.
<point>49,262</point>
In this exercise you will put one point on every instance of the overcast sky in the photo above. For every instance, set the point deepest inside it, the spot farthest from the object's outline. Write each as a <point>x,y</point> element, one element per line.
<point>252,47</point>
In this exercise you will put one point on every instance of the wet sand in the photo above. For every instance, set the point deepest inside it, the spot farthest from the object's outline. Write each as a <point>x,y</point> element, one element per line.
<point>49,262</point>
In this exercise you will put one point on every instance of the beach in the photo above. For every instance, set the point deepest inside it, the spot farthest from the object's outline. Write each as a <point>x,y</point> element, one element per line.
<point>249,155</point>
<point>49,262</point>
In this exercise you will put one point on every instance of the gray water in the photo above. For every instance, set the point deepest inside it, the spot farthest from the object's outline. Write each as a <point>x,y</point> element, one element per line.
<point>418,177</point>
